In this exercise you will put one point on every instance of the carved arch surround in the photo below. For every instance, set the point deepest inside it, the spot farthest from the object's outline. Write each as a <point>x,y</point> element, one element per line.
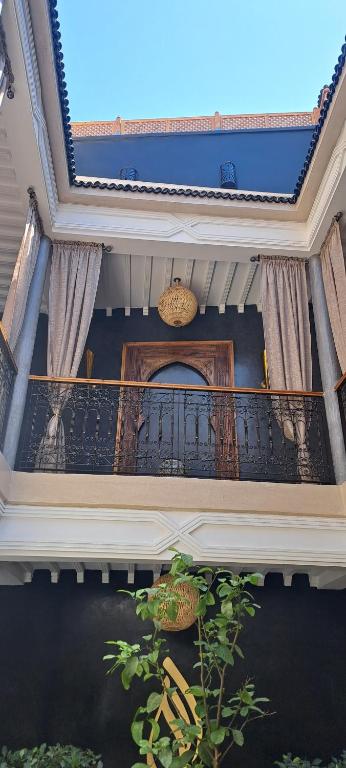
<point>213,359</point>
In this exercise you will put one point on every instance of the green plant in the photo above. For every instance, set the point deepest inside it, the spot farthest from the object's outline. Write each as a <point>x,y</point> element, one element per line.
<point>338,762</point>
<point>288,761</point>
<point>221,718</point>
<point>49,757</point>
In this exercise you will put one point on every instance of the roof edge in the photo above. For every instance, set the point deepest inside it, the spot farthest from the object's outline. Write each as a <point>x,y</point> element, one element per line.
<point>167,190</point>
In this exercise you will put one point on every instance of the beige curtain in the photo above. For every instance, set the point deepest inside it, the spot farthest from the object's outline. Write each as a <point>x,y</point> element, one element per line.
<point>14,311</point>
<point>3,68</point>
<point>334,279</point>
<point>74,278</point>
<point>286,325</point>
<point>3,76</point>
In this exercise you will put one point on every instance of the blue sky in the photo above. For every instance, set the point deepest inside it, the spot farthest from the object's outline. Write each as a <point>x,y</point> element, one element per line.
<point>162,58</point>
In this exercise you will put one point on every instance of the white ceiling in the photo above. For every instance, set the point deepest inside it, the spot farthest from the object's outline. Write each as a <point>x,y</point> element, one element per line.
<point>136,281</point>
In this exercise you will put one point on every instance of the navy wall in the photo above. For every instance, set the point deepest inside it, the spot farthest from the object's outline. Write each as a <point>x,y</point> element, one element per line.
<point>267,160</point>
<point>108,334</point>
<point>54,688</point>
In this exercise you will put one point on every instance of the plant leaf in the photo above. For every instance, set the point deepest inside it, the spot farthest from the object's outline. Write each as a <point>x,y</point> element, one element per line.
<point>196,690</point>
<point>154,701</point>
<point>182,760</point>
<point>218,736</point>
<point>139,765</point>
<point>204,753</point>
<point>137,731</point>
<point>165,756</point>
<point>224,653</point>
<point>238,737</point>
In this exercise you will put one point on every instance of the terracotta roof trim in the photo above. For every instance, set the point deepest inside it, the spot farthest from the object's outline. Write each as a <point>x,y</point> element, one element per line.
<point>165,190</point>
<point>194,124</point>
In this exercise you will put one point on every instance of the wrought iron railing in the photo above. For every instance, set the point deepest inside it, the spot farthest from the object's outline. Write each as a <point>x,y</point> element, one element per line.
<point>95,426</point>
<point>341,390</point>
<point>8,372</point>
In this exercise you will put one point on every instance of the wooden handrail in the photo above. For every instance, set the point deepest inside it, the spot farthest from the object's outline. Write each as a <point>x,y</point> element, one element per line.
<point>340,382</point>
<point>9,350</point>
<point>195,387</point>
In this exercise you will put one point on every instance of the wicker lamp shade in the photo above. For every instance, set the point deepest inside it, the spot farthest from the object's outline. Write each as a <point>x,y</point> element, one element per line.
<point>177,305</point>
<point>187,605</point>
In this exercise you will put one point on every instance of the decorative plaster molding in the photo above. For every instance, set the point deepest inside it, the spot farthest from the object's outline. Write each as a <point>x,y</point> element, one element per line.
<point>332,176</point>
<point>23,19</point>
<point>34,533</point>
<point>93,221</point>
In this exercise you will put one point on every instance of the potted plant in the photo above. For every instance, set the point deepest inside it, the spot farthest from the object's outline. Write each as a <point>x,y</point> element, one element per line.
<point>219,717</point>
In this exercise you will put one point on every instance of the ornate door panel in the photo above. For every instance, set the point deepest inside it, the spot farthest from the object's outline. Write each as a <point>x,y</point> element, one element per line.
<point>192,431</point>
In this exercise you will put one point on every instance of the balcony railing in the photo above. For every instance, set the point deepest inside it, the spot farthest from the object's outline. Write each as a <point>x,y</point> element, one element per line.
<point>8,372</point>
<point>341,390</point>
<point>96,426</point>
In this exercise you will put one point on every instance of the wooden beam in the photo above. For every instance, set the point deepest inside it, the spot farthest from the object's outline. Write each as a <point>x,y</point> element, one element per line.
<point>249,276</point>
<point>127,284</point>
<point>105,571</point>
<point>196,387</point>
<point>188,273</point>
<point>227,287</point>
<point>329,578</point>
<point>157,568</point>
<point>28,572</point>
<point>79,568</point>
<point>206,287</point>
<point>54,572</point>
<point>131,573</point>
<point>148,265</point>
<point>168,273</point>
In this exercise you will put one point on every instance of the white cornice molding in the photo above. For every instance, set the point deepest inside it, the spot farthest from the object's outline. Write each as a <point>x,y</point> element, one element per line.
<point>334,173</point>
<point>23,20</point>
<point>40,533</point>
<point>87,221</point>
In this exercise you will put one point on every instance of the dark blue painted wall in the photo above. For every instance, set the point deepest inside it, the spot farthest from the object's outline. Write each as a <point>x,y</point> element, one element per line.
<point>266,160</point>
<point>108,334</point>
<point>54,686</point>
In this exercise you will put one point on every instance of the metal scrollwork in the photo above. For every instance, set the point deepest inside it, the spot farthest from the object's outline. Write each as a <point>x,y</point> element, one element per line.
<point>8,373</point>
<point>183,432</point>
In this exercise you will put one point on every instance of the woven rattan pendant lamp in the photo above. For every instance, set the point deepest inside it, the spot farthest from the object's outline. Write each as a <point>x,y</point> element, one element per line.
<point>177,305</point>
<point>186,597</point>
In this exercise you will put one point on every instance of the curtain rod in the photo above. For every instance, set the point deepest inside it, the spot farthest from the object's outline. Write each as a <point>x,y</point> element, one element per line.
<point>105,248</point>
<point>335,218</point>
<point>259,256</point>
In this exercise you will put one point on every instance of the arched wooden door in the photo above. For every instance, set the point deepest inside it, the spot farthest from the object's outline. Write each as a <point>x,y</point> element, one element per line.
<point>177,431</point>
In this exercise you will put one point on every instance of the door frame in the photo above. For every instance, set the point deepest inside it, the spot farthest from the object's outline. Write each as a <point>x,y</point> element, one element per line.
<point>213,359</point>
<point>202,355</point>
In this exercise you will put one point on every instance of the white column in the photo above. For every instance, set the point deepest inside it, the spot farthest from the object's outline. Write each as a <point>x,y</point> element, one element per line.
<point>24,352</point>
<point>329,368</point>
